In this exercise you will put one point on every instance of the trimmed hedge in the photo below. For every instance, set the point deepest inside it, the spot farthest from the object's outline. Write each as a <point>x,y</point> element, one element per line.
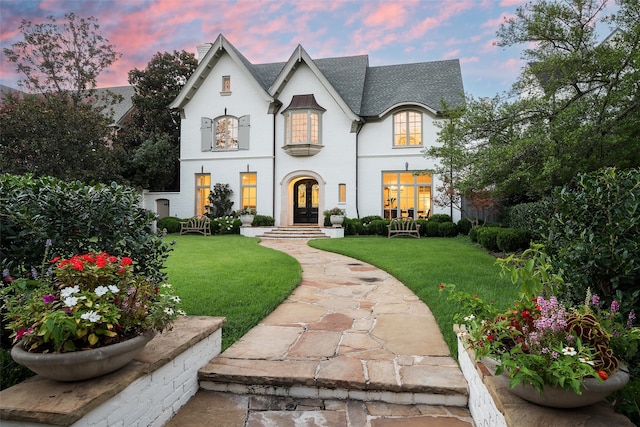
<point>170,223</point>
<point>513,239</point>
<point>431,229</point>
<point>488,238</point>
<point>440,218</point>
<point>464,226</point>
<point>530,216</point>
<point>447,229</point>
<point>263,221</point>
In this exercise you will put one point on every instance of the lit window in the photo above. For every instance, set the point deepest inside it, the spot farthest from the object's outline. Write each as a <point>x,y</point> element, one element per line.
<point>226,83</point>
<point>342,193</point>
<point>249,189</point>
<point>405,194</point>
<point>303,121</point>
<point>407,128</point>
<point>226,133</point>
<point>203,188</point>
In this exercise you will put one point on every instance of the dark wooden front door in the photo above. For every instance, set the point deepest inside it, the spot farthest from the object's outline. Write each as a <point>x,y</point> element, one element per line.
<point>305,205</point>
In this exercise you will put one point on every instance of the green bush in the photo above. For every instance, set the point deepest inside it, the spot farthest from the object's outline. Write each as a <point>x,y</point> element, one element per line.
<point>12,373</point>
<point>464,226</point>
<point>473,233</point>
<point>488,238</point>
<point>431,229</point>
<point>366,223</point>
<point>225,225</point>
<point>594,236</point>
<point>367,219</point>
<point>379,227</point>
<point>263,221</point>
<point>423,226</point>
<point>76,218</point>
<point>513,239</point>
<point>447,229</point>
<point>353,226</point>
<point>529,216</point>
<point>440,218</point>
<point>170,223</point>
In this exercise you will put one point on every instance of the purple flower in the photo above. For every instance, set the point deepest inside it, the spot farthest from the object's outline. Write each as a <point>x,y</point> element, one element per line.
<point>595,300</point>
<point>555,355</point>
<point>5,273</point>
<point>48,243</point>
<point>48,299</point>
<point>615,306</point>
<point>34,273</point>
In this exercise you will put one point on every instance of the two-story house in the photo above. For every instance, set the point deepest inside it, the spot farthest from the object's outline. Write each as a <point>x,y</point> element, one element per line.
<point>295,138</point>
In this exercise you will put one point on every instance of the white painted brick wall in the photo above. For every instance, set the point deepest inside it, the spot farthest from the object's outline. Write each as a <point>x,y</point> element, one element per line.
<point>152,400</point>
<point>481,405</point>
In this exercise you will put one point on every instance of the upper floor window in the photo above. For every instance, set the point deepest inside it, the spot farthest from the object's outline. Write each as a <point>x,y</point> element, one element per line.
<point>303,126</point>
<point>407,128</point>
<point>226,85</point>
<point>225,133</point>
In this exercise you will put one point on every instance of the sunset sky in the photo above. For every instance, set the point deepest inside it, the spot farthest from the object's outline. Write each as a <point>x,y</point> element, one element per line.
<point>389,31</point>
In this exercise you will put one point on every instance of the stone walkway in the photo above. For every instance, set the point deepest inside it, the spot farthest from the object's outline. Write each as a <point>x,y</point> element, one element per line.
<point>351,346</point>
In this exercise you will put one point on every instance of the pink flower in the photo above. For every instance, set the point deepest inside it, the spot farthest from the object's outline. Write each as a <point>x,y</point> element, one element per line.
<point>48,299</point>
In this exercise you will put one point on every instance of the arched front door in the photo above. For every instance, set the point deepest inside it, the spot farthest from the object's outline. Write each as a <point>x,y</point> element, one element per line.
<point>306,194</point>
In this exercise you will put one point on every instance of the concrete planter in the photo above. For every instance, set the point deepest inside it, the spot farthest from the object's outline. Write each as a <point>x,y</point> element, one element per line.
<point>81,365</point>
<point>246,220</point>
<point>336,220</point>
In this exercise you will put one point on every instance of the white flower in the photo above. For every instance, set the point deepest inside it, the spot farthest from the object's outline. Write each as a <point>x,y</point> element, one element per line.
<point>101,290</point>
<point>169,311</point>
<point>175,299</point>
<point>586,360</point>
<point>69,290</point>
<point>569,351</point>
<point>91,316</point>
<point>469,317</point>
<point>70,301</point>
<point>166,285</point>
<point>182,312</point>
<point>114,289</point>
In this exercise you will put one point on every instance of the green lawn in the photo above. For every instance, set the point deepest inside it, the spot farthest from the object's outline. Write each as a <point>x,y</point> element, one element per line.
<point>233,276</point>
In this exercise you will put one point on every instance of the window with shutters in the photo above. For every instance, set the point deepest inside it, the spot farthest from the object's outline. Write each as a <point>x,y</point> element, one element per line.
<point>225,133</point>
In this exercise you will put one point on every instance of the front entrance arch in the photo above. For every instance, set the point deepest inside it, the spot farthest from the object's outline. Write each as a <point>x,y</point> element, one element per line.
<point>306,201</point>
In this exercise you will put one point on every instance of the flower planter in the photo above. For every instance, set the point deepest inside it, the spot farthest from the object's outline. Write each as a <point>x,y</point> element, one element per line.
<point>81,365</point>
<point>593,390</point>
<point>246,220</point>
<point>336,220</point>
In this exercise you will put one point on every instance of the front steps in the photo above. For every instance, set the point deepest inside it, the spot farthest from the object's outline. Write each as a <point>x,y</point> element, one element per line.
<point>294,233</point>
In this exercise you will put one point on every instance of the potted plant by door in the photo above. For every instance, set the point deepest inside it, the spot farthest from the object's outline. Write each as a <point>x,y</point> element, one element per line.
<point>247,215</point>
<point>84,316</point>
<point>336,216</point>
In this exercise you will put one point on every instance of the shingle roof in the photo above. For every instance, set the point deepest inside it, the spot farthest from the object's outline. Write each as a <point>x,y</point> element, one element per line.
<point>371,91</point>
<point>121,108</point>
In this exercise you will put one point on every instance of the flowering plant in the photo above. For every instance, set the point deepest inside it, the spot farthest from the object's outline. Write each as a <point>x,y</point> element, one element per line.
<point>83,302</point>
<point>541,341</point>
<point>247,211</point>
<point>334,211</point>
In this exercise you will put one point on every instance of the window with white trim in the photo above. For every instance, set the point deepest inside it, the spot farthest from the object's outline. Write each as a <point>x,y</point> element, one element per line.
<point>203,188</point>
<point>226,133</point>
<point>407,129</point>
<point>249,189</point>
<point>406,194</point>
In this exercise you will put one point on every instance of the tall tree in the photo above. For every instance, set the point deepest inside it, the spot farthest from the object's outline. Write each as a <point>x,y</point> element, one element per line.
<point>575,108</point>
<point>154,127</point>
<point>60,128</point>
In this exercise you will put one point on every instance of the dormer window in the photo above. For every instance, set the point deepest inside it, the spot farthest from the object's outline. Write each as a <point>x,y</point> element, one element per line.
<point>303,126</point>
<point>407,129</point>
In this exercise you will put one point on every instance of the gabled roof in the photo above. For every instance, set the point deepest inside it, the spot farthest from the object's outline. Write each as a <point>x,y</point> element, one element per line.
<point>361,90</point>
<point>121,109</point>
<point>425,84</point>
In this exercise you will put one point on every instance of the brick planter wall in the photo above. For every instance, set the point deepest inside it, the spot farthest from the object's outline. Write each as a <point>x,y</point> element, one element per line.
<point>146,392</point>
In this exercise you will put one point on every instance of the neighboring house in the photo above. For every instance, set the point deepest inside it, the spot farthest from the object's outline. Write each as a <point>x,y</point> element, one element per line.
<point>295,138</point>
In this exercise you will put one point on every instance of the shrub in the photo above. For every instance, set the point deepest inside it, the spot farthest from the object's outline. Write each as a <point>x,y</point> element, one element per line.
<point>170,223</point>
<point>440,218</point>
<point>464,226</point>
<point>352,226</point>
<point>488,238</point>
<point>367,219</point>
<point>431,229</point>
<point>473,233</point>
<point>220,203</point>
<point>379,227</point>
<point>225,225</point>
<point>594,235</point>
<point>76,218</point>
<point>529,216</point>
<point>447,229</point>
<point>423,226</point>
<point>263,221</point>
<point>512,239</point>
<point>366,223</point>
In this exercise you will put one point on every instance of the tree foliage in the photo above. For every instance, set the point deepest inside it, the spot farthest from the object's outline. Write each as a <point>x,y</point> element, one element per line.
<point>61,58</point>
<point>60,128</point>
<point>153,125</point>
<point>575,107</point>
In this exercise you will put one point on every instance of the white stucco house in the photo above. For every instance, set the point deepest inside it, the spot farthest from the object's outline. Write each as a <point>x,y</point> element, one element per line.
<point>295,138</point>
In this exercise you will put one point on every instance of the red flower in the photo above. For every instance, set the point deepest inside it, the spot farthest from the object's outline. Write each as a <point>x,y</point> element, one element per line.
<point>56,259</point>
<point>126,260</point>
<point>113,259</point>
<point>101,261</point>
<point>441,286</point>
<point>490,337</point>
<point>603,375</point>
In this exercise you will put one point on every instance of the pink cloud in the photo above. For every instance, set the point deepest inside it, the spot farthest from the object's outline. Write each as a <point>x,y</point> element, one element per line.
<point>511,3</point>
<point>469,59</point>
<point>495,23</point>
<point>452,54</point>
<point>387,15</point>
<point>489,46</point>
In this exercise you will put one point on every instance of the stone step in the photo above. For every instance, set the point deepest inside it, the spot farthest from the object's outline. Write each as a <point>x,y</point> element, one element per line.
<point>252,410</point>
<point>294,233</point>
<point>405,381</point>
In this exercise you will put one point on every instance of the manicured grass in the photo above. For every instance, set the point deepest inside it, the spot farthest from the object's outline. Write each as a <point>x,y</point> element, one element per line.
<point>234,277</point>
<point>230,276</point>
<point>425,263</point>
